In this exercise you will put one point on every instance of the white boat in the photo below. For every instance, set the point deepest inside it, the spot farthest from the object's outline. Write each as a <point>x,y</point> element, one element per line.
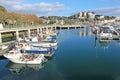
<point>104,34</point>
<point>4,49</point>
<point>35,42</point>
<point>36,47</point>
<point>43,44</point>
<point>48,37</point>
<point>23,58</point>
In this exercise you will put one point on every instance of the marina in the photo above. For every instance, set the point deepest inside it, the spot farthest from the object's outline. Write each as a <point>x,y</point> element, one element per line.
<point>59,40</point>
<point>33,50</point>
<point>106,32</point>
<point>79,55</point>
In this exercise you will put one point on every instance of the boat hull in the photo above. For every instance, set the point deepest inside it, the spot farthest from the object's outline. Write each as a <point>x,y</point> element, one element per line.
<point>25,58</point>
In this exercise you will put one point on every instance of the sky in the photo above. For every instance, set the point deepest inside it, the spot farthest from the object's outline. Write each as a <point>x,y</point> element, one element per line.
<point>62,7</point>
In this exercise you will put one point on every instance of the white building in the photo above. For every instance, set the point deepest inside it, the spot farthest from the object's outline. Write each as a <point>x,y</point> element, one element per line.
<point>1,26</point>
<point>91,15</point>
<point>81,15</point>
<point>117,18</point>
<point>101,17</point>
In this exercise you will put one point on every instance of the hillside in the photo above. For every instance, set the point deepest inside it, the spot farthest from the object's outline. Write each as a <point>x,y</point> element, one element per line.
<point>2,9</point>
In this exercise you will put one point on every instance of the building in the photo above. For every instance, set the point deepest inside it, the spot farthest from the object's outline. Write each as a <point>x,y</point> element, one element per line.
<point>83,15</point>
<point>117,18</point>
<point>91,15</point>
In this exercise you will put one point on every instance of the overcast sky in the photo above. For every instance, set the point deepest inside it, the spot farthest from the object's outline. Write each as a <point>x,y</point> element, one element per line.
<point>62,7</point>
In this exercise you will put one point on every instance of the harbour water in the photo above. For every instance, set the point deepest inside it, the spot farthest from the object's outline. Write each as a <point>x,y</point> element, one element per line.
<point>79,56</point>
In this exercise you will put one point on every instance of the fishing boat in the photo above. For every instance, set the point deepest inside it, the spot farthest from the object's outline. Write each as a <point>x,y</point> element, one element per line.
<point>29,48</point>
<point>36,41</point>
<point>24,58</point>
<point>37,49</point>
<point>47,37</point>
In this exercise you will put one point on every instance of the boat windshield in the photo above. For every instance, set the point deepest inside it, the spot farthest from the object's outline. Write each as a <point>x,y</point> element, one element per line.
<point>35,42</point>
<point>105,31</point>
<point>11,52</point>
<point>105,28</point>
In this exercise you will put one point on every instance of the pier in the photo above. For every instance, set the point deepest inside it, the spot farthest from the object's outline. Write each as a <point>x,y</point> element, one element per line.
<point>15,32</point>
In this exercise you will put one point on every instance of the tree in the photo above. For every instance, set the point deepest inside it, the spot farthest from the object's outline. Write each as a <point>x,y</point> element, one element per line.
<point>3,17</point>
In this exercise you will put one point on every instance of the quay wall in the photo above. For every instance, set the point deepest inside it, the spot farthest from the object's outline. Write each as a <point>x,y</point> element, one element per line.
<point>15,32</point>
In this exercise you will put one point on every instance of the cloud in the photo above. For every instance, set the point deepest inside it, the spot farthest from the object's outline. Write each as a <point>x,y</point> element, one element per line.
<point>41,8</point>
<point>109,11</point>
<point>118,1</point>
<point>103,0</point>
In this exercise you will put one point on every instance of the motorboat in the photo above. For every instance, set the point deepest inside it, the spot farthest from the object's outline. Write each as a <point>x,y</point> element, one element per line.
<point>32,48</point>
<point>105,32</point>
<point>24,58</point>
<point>44,44</point>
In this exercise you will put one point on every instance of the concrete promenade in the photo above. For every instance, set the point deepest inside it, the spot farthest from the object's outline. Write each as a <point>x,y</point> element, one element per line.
<point>37,29</point>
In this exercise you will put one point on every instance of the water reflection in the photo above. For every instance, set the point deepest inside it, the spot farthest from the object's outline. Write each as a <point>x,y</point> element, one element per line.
<point>2,58</point>
<point>104,43</point>
<point>84,62</point>
<point>84,32</point>
<point>20,68</point>
<point>118,42</point>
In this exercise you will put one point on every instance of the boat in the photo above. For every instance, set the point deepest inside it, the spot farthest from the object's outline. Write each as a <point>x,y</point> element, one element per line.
<point>4,49</point>
<point>24,58</point>
<point>105,33</point>
<point>35,49</point>
<point>47,37</point>
<point>35,41</point>
<point>47,42</point>
<point>28,48</point>
<point>44,44</point>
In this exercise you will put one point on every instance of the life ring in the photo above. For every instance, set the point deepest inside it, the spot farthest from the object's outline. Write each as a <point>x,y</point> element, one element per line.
<point>14,49</point>
<point>21,45</point>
